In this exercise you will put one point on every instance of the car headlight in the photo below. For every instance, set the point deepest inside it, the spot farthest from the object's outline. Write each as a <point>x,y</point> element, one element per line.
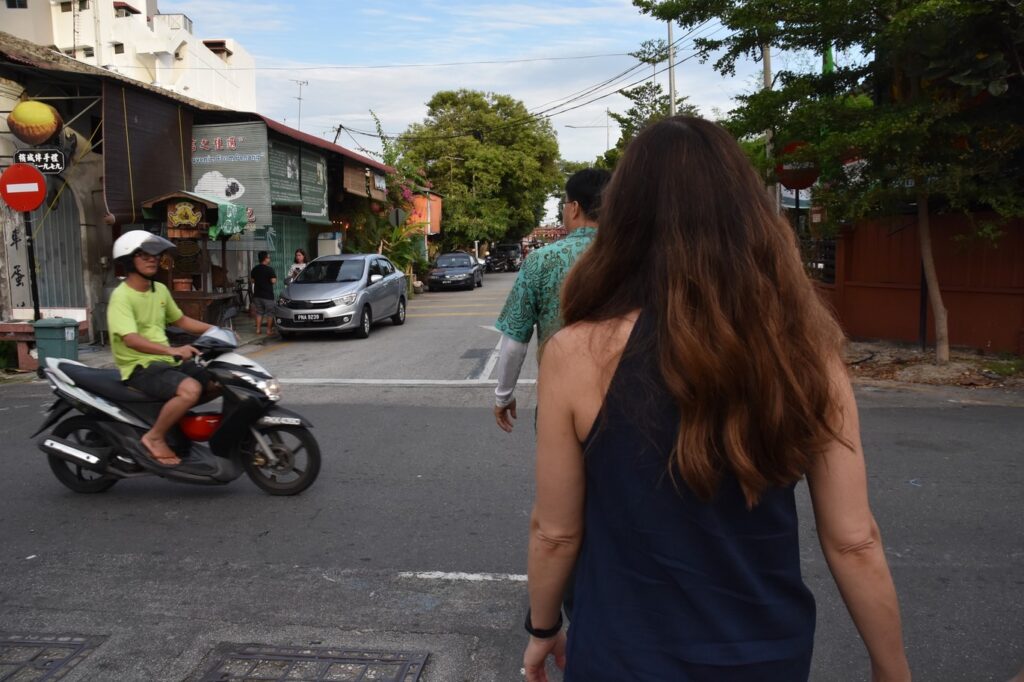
<point>269,387</point>
<point>347,299</point>
<point>284,300</point>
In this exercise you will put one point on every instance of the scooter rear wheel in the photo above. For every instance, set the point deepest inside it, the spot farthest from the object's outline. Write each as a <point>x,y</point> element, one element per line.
<point>298,456</point>
<point>81,430</point>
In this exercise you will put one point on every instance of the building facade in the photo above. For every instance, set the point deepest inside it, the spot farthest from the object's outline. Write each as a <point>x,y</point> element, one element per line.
<point>135,40</point>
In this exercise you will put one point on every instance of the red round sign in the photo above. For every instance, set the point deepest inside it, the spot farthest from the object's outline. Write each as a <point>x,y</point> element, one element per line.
<point>23,187</point>
<point>796,174</point>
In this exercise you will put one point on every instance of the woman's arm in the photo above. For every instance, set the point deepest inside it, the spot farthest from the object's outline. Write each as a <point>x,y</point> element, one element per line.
<point>851,541</point>
<point>556,525</point>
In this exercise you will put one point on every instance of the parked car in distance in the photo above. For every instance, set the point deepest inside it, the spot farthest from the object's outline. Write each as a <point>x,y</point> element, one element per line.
<point>457,269</point>
<point>347,292</point>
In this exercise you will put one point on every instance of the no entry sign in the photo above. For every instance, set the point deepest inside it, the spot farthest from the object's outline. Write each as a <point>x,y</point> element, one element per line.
<point>23,187</point>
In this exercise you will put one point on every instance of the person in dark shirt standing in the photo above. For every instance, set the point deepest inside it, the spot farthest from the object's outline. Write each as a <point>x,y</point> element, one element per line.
<point>263,280</point>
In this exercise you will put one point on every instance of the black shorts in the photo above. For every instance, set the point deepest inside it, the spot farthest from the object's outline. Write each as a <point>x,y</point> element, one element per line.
<point>161,379</point>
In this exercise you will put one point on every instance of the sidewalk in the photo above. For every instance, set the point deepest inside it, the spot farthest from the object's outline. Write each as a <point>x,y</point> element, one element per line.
<point>102,357</point>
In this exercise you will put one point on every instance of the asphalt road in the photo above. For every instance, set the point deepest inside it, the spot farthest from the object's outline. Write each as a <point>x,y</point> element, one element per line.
<point>414,537</point>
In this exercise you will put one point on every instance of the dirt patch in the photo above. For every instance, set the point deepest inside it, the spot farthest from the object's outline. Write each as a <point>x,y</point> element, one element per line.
<point>888,361</point>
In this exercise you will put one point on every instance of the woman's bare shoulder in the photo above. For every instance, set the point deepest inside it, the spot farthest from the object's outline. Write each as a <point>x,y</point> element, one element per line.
<point>592,342</point>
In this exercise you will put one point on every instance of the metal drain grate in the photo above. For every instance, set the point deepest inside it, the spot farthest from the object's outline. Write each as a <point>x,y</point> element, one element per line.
<point>41,658</point>
<point>251,662</point>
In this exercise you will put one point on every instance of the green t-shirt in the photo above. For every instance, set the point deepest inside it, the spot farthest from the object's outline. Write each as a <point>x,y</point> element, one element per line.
<point>534,299</point>
<point>140,312</point>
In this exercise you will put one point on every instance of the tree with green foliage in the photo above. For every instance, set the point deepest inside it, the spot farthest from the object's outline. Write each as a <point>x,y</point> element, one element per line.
<point>494,163</point>
<point>401,241</point>
<point>928,104</point>
<point>649,104</point>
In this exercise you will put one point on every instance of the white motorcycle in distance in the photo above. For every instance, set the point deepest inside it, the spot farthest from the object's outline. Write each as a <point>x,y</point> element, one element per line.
<point>99,446</point>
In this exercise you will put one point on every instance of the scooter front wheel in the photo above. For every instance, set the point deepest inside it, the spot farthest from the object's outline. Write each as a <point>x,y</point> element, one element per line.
<point>298,460</point>
<point>83,431</point>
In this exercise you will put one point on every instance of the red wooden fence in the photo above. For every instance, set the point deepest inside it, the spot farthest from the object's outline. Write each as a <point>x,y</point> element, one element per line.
<point>877,292</point>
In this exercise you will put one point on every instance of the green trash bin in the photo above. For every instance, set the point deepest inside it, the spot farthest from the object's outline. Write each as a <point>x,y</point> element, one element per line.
<point>56,337</point>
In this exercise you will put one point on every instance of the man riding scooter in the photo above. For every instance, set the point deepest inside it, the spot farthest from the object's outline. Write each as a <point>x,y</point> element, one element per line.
<point>138,313</point>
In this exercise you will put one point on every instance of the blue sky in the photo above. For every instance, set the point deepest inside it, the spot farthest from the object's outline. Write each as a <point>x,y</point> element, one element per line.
<point>310,39</point>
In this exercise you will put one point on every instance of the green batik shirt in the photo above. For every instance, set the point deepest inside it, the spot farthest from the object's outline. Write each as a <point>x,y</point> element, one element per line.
<point>534,299</point>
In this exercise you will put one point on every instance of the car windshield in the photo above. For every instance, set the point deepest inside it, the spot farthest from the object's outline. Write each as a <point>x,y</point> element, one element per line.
<point>331,271</point>
<point>507,249</point>
<point>456,261</point>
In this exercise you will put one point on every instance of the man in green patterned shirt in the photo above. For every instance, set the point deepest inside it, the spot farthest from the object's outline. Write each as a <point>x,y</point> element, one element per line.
<point>534,299</point>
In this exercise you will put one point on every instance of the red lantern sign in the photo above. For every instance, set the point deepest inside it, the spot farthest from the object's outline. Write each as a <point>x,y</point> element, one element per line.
<point>796,175</point>
<point>23,187</point>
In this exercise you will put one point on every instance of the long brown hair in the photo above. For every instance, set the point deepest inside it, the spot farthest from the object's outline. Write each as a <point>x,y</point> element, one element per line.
<point>689,235</point>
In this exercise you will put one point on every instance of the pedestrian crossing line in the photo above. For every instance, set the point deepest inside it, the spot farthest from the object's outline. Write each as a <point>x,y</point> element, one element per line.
<point>464,577</point>
<point>453,304</point>
<point>441,383</point>
<point>493,314</point>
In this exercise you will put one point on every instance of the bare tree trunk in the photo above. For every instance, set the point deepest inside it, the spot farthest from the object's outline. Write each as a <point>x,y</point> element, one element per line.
<point>924,235</point>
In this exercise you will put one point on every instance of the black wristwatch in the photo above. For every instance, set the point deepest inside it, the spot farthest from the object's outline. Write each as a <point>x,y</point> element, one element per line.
<point>543,634</point>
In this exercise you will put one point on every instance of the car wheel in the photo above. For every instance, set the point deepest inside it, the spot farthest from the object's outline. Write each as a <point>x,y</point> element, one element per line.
<point>479,280</point>
<point>398,318</point>
<point>285,335</point>
<point>365,323</point>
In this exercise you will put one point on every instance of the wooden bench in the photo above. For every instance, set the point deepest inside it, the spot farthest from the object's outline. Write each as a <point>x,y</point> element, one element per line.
<point>24,334</point>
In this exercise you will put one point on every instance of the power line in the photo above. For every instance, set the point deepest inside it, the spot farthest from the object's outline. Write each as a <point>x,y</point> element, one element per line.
<point>551,111</point>
<point>359,67</point>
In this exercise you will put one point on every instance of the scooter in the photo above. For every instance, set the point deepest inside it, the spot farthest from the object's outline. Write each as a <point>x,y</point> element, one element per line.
<point>97,447</point>
<point>495,264</point>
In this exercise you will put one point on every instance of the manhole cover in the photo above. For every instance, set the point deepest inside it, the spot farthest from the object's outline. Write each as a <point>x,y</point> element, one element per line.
<point>35,658</point>
<point>305,664</point>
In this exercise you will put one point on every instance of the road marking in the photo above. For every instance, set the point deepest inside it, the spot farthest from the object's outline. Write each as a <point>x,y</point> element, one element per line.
<point>492,360</point>
<point>397,382</point>
<point>465,577</point>
<point>451,305</point>
<point>482,313</point>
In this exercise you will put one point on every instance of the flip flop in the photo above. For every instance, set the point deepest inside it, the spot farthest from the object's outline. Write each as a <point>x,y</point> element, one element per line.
<point>157,460</point>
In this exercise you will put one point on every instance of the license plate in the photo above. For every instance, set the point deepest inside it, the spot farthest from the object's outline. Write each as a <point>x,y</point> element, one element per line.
<point>308,317</point>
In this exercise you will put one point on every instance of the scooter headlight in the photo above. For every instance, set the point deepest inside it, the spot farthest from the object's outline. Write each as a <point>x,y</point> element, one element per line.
<point>269,387</point>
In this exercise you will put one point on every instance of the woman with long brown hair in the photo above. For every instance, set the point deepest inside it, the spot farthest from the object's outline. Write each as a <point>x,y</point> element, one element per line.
<point>697,380</point>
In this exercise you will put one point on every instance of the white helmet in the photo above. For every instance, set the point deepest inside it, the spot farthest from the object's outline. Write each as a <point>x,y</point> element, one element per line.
<point>140,240</point>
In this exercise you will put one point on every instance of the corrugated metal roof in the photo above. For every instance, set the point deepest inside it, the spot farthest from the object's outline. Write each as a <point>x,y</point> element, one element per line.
<point>324,144</point>
<point>21,51</point>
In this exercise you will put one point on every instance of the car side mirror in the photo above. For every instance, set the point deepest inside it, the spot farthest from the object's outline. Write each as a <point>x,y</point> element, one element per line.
<point>376,278</point>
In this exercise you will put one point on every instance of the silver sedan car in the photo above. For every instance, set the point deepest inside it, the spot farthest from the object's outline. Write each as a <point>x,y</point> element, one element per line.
<point>349,292</point>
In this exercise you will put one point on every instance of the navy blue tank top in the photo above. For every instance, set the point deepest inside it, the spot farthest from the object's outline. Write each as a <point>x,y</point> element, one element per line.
<point>669,587</point>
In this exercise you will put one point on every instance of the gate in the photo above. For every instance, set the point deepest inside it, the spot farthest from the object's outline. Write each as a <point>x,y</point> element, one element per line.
<point>58,247</point>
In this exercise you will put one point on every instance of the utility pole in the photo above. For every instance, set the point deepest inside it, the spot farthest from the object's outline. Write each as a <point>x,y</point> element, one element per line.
<point>298,126</point>
<point>766,65</point>
<point>671,73</point>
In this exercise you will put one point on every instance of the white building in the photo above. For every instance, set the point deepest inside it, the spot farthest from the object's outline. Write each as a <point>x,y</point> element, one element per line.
<point>136,40</point>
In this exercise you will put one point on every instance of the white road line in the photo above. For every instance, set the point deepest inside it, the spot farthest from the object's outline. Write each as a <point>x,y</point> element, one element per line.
<point>398,382</point>
<point>465,577</point>
<point>492,360</point>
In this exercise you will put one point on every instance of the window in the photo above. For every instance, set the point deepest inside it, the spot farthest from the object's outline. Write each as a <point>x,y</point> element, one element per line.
<point>387,267</point>
<point>65,7</point>
<point>88,52</point>
<point>83,5</point>
<point>375,268</point>
<point>118,48</point>
<point>17,4</point>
